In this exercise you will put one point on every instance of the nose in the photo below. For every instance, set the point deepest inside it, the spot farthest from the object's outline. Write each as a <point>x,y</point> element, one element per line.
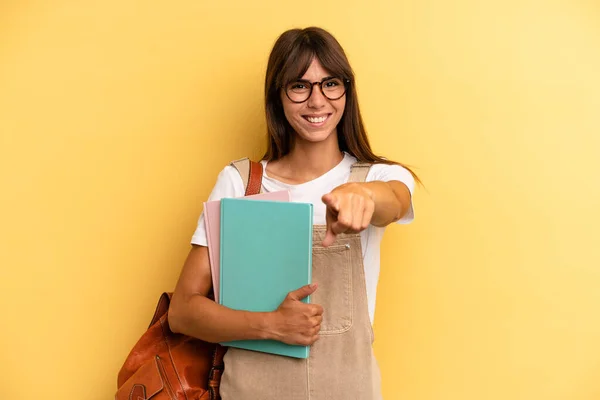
<point>316,99</point>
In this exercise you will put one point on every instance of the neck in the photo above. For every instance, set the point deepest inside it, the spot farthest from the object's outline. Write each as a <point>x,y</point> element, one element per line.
<point>309,160</point>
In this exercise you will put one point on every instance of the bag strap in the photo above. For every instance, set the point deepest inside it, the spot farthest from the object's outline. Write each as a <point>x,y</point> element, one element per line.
<point>216,371</point>
<point>162,307</point>
<point>251,173</point>
<point>359,171</point>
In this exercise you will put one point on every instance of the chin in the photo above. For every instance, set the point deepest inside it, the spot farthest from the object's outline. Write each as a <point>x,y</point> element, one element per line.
<point>316,137</point>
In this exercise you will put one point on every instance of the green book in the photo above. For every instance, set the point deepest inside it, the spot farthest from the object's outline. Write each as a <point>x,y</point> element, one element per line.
<point>266,252</point>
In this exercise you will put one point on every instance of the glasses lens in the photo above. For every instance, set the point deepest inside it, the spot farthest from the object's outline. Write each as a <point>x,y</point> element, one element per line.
<point>298,91</point>
<point>333,88</point>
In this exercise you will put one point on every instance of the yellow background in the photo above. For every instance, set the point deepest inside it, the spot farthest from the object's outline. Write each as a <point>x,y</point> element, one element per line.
<point>116,116</point>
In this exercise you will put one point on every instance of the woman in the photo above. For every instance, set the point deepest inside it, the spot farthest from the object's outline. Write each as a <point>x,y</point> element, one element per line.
<point>318,150</point>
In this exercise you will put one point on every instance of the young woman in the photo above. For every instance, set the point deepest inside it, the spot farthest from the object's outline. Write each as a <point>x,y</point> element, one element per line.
<point>319,151</point>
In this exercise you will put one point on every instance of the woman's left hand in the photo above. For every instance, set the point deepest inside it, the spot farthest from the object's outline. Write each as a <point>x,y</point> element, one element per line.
<point>350,208</point>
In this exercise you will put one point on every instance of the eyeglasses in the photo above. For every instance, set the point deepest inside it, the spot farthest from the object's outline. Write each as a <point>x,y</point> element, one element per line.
<point>332,88</point>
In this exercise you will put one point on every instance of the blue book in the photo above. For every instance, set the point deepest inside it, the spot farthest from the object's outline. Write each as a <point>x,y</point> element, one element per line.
<point>266,252</point>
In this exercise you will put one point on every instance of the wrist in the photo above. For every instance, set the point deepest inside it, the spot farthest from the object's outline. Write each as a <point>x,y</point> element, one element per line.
<point>368,188</point>
<point>363,188</point>
<point>265,324</point>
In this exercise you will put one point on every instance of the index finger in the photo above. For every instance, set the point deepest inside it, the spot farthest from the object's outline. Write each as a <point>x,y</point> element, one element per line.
<point>331,201</point>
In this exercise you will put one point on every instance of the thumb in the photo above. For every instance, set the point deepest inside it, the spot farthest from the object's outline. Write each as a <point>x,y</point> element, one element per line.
<point>303,292</point>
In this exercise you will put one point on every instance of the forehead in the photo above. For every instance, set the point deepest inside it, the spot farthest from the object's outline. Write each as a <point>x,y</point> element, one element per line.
<point>315,71</point>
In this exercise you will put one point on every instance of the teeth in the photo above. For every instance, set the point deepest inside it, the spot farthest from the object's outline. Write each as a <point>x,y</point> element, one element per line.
<point>316,120</point>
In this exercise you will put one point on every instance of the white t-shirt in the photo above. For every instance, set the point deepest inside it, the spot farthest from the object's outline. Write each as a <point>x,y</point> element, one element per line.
<point>230,184</point>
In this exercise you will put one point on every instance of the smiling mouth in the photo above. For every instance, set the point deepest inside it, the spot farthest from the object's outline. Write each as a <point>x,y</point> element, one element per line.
<point>316,120</point>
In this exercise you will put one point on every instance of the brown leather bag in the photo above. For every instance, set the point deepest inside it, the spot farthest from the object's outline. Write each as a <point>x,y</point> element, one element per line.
<point>168,366</point>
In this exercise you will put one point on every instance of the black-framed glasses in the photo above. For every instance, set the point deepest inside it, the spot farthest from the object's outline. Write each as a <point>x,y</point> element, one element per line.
<point>332,88</point>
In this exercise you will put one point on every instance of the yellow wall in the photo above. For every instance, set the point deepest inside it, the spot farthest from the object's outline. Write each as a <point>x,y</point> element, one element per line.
<point>115,117</point>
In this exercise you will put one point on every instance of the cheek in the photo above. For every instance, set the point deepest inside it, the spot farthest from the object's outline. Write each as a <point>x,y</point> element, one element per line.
<point>340,106</point>
<point>291,112</point>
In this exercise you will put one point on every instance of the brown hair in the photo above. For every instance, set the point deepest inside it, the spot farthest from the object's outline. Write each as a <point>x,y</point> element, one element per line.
<point>290,58</point>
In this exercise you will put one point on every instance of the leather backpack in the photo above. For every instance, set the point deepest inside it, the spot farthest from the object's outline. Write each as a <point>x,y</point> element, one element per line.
<point>164,365</point>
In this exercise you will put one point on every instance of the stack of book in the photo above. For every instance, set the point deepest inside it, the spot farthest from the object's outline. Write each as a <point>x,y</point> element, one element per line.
<point>260,249</point>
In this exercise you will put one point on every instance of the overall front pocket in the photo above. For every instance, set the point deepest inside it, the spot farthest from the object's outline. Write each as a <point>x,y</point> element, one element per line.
<point>332,271</point>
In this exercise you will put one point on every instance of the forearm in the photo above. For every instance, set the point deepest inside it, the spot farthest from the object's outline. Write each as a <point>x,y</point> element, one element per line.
<point>391,201</point>
<point>200,317</point>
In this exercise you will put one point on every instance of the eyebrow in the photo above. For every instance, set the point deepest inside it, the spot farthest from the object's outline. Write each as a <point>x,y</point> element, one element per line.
<point>324,79</point>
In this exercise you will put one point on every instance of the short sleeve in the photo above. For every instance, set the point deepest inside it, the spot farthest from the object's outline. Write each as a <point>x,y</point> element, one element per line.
<point>229,184</point>
<point>386,173</point>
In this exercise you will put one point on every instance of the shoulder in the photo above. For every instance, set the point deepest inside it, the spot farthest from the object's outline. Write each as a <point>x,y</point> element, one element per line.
<point>229,184</point>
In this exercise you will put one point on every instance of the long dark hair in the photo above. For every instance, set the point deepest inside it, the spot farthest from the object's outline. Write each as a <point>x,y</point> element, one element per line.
<point>290,58</point>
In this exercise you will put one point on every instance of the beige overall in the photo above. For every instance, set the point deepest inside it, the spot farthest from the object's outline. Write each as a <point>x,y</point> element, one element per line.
<point>341,365</point>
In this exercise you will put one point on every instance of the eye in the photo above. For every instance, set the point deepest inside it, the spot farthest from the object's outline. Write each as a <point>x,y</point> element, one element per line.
<point>331,83</point>
<point>298,85</point>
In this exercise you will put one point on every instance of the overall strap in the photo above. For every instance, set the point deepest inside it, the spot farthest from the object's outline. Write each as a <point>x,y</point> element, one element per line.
<point>359,171</point>
<point>251,173</point>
